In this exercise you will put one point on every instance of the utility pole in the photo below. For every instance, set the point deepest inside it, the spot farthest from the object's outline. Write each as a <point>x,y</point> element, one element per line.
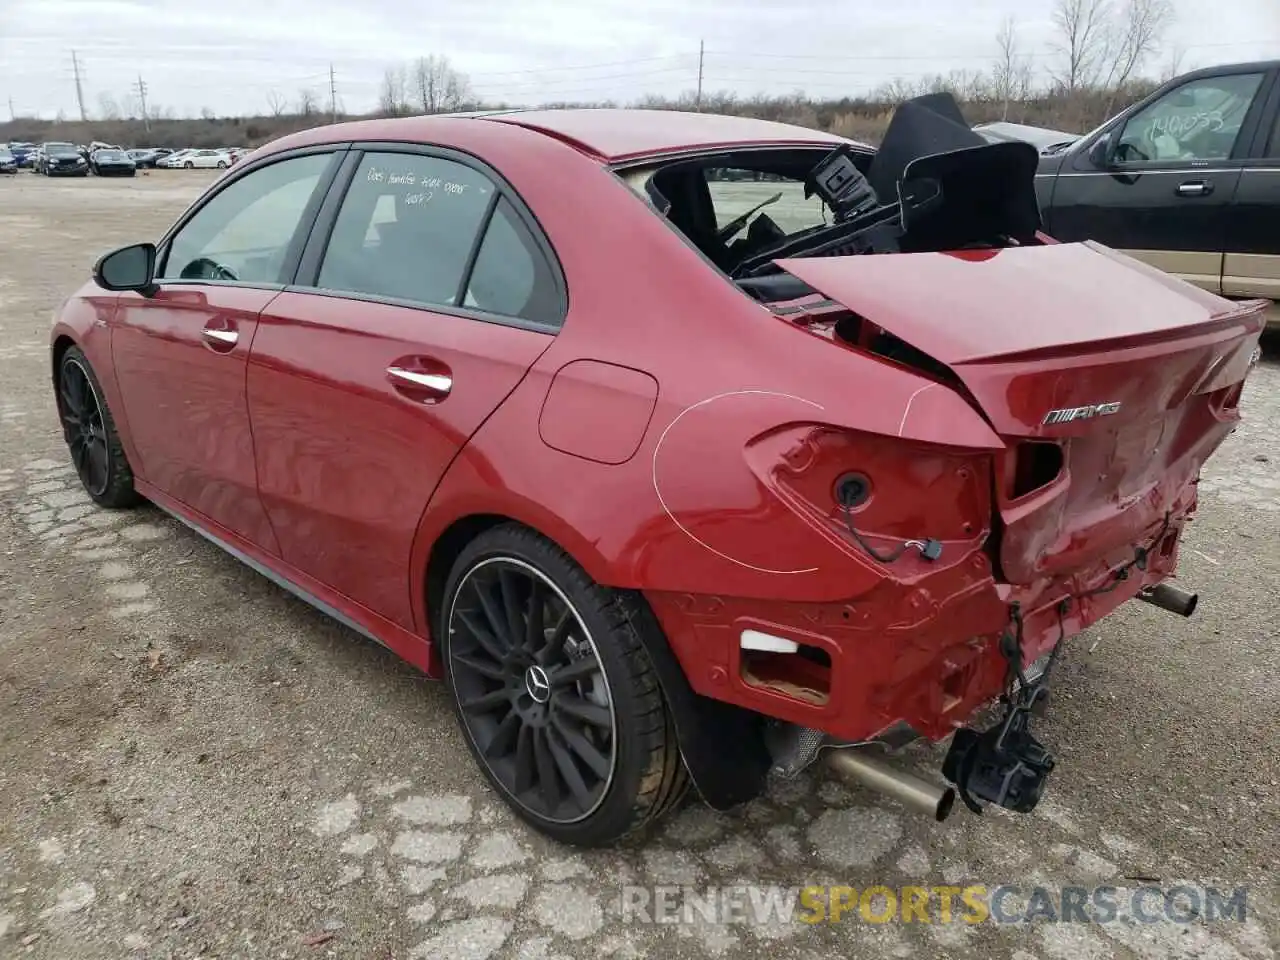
<point>12,115</point>
<point>333,96</point>
<point>75,66</point>
<point>142,98</point>
<point>701,54</point>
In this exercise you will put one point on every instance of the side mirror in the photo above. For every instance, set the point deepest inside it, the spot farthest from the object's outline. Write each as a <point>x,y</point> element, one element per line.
<point>129,268</point>
<point>1101,154</point>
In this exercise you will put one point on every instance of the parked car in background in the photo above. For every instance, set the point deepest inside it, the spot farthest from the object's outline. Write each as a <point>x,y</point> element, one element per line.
<point>59,159</point>
<point>208,159</point>
<point>1045,140</point>
<point>174,159</point>
<point>8,162</point>
<point>112,162</point>
<point>143,158</point>
<point>23,152</point>
<point>1187,180</point>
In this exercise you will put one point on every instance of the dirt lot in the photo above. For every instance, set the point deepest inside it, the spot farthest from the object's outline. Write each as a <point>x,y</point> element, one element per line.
<point>194,764</point>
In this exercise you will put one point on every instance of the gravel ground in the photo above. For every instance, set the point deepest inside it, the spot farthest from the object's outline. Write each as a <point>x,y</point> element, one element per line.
<point>194,764</point>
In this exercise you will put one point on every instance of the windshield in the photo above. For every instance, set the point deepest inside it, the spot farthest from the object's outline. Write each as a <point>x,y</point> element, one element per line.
<point>58,147</point>
<point>110,155</point>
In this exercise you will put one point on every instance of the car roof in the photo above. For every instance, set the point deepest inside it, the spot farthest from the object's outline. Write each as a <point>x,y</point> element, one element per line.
<point>613,135</point>
<point>619,134</point>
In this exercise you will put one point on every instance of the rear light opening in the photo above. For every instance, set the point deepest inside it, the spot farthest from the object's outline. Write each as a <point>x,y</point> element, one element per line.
<point>1036,464</point>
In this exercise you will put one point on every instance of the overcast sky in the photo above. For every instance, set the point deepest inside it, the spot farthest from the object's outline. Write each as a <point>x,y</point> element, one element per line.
<point>230,56</point>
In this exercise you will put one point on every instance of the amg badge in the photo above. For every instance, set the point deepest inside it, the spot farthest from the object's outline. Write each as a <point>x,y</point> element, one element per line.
<point>1069,414</point>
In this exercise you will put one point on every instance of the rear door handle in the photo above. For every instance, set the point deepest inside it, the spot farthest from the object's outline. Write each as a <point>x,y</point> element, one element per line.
<point>421,378</point>
<point>1194,188</point>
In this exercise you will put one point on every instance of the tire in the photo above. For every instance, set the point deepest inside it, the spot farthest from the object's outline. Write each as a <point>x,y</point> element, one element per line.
<point>189,165</point>
<point>598,677</point>
<point>114,487</point>
<point>222,165</point>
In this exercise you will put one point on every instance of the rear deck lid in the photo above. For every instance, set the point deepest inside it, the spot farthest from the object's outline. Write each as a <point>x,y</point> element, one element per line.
<point>1128,373</point>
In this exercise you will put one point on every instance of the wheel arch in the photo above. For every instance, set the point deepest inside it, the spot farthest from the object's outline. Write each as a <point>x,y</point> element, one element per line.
<point>722,745</point>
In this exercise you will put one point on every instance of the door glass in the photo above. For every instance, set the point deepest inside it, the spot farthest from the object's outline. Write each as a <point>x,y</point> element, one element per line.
<point>511,275</point>
<point>406,228</point>
<point>244,231</point>
<point>1273,145</point>
<point>1199,120</point>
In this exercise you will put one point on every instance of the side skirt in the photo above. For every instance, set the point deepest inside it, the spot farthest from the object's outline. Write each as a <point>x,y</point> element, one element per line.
<point>408,646</point>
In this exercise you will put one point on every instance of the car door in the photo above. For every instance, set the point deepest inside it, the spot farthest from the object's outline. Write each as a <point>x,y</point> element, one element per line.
<point>180,354</point>
<point>1251,265</point>
<point>430,299</point>
<point>1168,175</point>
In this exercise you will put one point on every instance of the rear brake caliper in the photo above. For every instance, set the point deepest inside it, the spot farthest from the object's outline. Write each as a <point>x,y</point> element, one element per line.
<point>1006,765</point>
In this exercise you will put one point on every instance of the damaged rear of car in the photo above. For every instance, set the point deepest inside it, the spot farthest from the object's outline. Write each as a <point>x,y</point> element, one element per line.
<point>1023,462</point>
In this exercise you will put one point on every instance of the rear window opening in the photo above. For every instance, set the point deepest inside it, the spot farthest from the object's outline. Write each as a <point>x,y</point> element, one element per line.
<point>804,675</point>
<point>934,185</point>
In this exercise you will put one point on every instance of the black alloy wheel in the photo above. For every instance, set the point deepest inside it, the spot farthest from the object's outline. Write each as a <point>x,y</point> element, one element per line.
<point>555,692</point>
<point>90,433</point>
<point>532,690</point>
<point>83,428</point>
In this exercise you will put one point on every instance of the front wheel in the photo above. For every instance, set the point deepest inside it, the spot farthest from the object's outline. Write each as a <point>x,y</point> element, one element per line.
<point>189,165</point>
<point>555,692</point>
<point>90,433</point>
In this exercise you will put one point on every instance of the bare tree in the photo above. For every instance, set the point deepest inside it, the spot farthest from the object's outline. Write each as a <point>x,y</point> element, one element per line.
<point>307,102</point>
<point>1084,38</point>
<point>393,97</point>
<point>108,107</point>
<point>1011,75</point>
<point>276,103</point>
<point>1135,37</point>
<point>1173,65</point>
<point>437,86</point>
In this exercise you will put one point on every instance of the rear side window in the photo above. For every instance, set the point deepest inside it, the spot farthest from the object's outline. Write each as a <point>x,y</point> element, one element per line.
<point>1273,145</point>
<point>406,229</point>
<point>511,276</point>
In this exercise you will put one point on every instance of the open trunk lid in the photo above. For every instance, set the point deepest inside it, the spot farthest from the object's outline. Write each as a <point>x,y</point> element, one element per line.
<point>1110,381</point>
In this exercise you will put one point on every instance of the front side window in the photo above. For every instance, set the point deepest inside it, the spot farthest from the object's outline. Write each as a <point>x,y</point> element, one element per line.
<point>243,233</point>
<point>1198,121</point>
<point>406,229</point>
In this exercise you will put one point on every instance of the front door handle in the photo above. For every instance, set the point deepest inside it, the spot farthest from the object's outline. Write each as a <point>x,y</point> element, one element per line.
<point>1194,188</point>
<point>427,382</point>
<point>220,340</point>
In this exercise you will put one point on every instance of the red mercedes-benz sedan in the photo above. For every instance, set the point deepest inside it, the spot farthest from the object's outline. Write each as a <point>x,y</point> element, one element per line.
<point>683,447</point>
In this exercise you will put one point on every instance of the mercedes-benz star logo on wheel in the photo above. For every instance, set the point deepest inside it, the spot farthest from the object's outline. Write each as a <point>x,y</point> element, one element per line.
<point>538,684</point>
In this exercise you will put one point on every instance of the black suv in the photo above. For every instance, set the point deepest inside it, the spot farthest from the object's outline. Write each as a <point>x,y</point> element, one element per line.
<point>1187,180</point>
<point>61,160</point>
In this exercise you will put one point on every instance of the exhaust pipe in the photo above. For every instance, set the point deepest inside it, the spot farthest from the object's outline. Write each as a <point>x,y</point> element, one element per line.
<point>919,795</point>
<point>1171,598</point>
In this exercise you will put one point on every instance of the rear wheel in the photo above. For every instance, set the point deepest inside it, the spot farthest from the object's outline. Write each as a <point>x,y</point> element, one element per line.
<point>91,435</point>
<point>555,692</point>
